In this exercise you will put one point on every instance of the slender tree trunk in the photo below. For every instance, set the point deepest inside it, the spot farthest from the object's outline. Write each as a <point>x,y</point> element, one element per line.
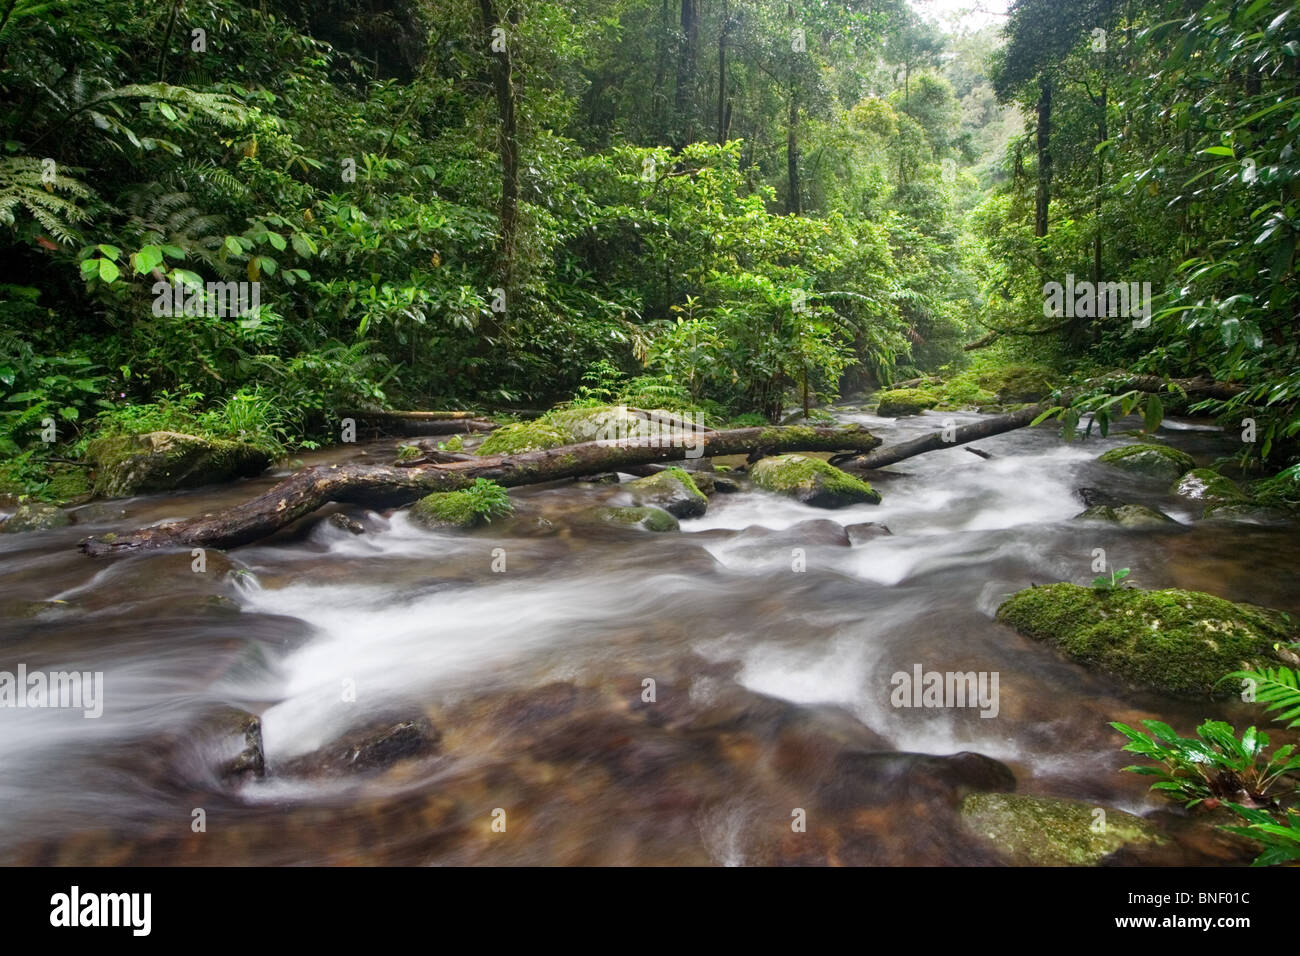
<point>1044,194</point>
<point>722,76</point>
<point>503,83</point>
<point>686,72</point>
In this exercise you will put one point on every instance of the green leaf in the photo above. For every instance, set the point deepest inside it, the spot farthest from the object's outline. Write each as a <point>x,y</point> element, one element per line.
<point>108,270</point>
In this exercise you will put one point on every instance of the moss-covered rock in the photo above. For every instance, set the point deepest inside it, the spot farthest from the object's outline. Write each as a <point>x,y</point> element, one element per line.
<point>1128,516</point>
<point>1178,642</point>
<point>127,465</point>
<point>1013,384</point>
<point>35,516</point>
<point>521,437</point>
<point>649,519</point>
<point>1158,461</point>
<point>673,490</point>
<point>812,481</point>
<point>894,403</point>
<point>1205,484</point>
<point>1245,511</point>
<point>458,509</point>
<point>1045,831</point>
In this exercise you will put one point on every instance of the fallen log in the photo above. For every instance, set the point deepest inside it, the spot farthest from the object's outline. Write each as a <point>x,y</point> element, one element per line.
<point>1119,381</point>
<point>387,485</point>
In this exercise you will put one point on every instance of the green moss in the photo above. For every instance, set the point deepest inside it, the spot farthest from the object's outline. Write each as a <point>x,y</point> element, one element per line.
<point>1044,831</point>
<point>1280,491</point>
<point>905,401</point>
<point>1017,383</point>
<point>479,504</point>
<point>1205,484</point>
<point>454,443</point>
<point>35,516</point>
<point>523,436</point>
<point>963,391</point>
<point>674,490</point>
<point>1174,641</point>
<point>812,481</point>
<point>1128,516</point>
<point>163,461</point>
<point>408,452</point>
<point>1159,461</point>
<point>804,434</point>
<point>651,519</point>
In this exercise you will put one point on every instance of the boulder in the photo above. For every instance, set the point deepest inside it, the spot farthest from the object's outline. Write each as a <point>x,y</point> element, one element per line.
<point>673,490</point>
<point>1173,641</point>
<point>649,519</point>
<point>1045,831</point>
<point>895,403</point>
<point>812,481</point>
<point>1128,516</point>
<point>35,516</point>
<point>127,465</point>
<point>1205,484</point>
<point>375,746</point>
<point>1158,461</point>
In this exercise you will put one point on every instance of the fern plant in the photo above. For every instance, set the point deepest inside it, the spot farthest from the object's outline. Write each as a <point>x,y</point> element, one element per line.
<point>34,185</point>
<point>1278,689</point>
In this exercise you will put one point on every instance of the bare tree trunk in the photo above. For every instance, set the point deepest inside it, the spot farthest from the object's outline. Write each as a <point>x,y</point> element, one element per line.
<point>508,139</point>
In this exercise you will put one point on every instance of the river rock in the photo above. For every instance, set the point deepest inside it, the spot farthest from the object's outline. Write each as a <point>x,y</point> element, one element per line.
<point>881,778</point>
<point>35,516</point>
<point>346,523</point>
<point>649,519</point>
<point>673,490</point>
<point>1045,831</point>
<point>1205,484</point>
<point>815,533</point>
<point>1128,516</point>
<point>375,746</point>
<point>812,481</point>
<point>1158,461</point>
<point>129,465</point>
<point>865,531</point>
<point>1177,642</point>
<point>898,402</point>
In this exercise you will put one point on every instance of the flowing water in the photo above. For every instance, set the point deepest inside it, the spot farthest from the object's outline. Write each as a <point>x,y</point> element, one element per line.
<point>597,695</point>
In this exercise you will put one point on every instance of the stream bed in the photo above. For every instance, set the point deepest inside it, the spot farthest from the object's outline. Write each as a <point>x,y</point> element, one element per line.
<point>567,692</point>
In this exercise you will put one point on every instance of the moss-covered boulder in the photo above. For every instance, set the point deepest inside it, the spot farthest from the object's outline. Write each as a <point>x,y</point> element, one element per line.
<point>1205,484</point>
<point>1245,511</point>
<point>1014,384</point>
<point>648,519</point>
<point>1177,642</point>
<point>127,465</point>
<point>812,481</point>
<point>1128,516</point>
<point>467,508</point>
<point>1045,831</point>
<point>521,437</point>
<point>35,516</point>
<point>570,426</point>
<point>673,490</point>
<point>894,403</point>
<point>1158,461</point>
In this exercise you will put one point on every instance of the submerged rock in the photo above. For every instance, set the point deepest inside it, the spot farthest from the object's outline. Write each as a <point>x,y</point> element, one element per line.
<point>1158,461</point>
<point>376,746</point>
<point>812,481</point>
<point>1244,511</point>
<point>346,523</point>
<point>894,403</point>
<point>650,519</point>
<point>35,516</point>
<point>1128,516</point>
<point>129,465</point>
<point>864,531</point>
<point>1177,642</point>
<point>673,490</point>
<point>1045,831</point>
<point>878,778</point>
<point>1205,484</point>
